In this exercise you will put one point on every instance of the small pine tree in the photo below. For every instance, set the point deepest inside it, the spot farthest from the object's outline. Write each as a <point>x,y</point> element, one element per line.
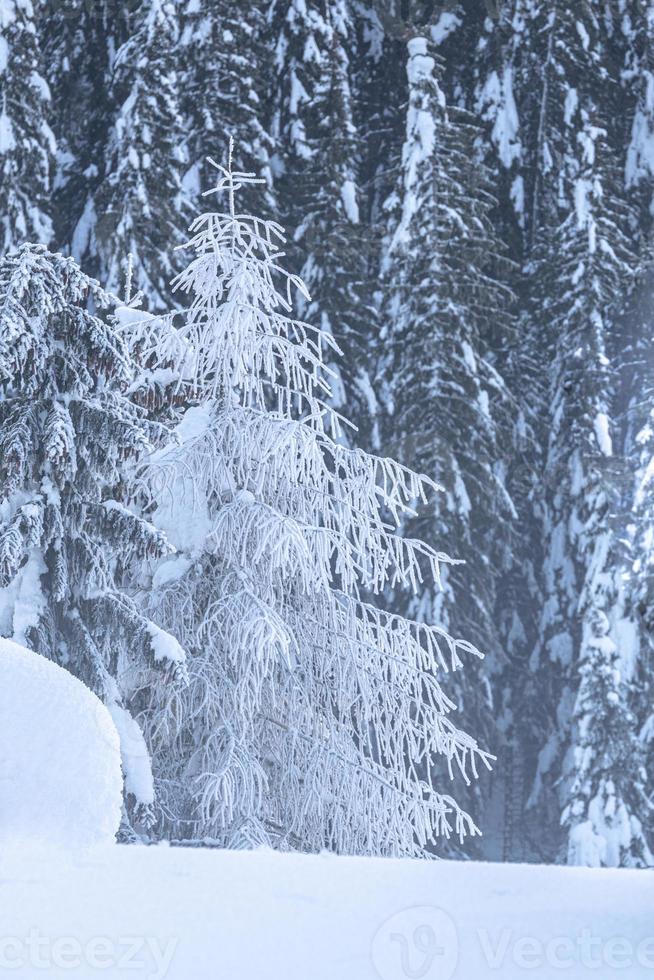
<point>312,719</point>
<point>67,542</point>
<point>27,145</point>
<point>607,789</point>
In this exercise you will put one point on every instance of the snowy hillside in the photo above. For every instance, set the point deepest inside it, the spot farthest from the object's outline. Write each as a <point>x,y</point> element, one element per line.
<point>196,914</point>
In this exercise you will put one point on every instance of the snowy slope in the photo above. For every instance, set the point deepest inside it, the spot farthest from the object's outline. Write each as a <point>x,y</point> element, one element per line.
<point>60,776</point>
<point>190,914</point>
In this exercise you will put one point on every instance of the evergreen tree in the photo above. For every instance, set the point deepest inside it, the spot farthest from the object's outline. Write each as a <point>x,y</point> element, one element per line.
<point>446,315</point>
<point>639,73</point>
<point>27,145</point>
<point>79,42</point>
<point>638,504</point>
<point>316,168</point>
<point>67,541</point>
<point>608,788</point>
<point>634,342</point>
<point>225,69</point>
<point>141,200</point>
<point>309,712</point>
<point>582,265</point>
<point>642,599</point>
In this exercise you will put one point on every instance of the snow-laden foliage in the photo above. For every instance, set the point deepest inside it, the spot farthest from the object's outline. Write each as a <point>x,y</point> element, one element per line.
<point>141,200</point>
<point>312,718</point>
<point>563,91</point>
<point>317,164</point>
<point>638,576</point>
<point>446,314</point>
<point>225,62</point>
<point>638,26</point>
<point>317,94</point>
<point>79,41</point>
<point>27,144</point>
<point>580,267</point>
<point>67,542</point>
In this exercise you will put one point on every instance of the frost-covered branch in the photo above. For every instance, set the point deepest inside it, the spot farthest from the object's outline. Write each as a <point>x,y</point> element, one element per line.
<point>311,717</point>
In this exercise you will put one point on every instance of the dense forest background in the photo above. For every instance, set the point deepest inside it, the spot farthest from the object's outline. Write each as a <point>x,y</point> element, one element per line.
<point>468,192</point>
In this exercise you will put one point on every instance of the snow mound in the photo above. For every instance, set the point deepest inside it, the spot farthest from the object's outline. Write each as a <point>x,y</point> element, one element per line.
<point>60,775</point>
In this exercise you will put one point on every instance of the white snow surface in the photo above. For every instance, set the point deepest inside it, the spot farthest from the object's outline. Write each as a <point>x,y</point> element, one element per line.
<point>181,512</point>
<point>349,198</point>
<point>602,434</point>
<point>134,754</point>
<point>60,775</point>
<point>497,103</point>
<point>447,22</point>
<point>198,914</point>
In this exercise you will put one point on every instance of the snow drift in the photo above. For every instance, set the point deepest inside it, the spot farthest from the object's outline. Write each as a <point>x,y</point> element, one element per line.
<point>60,774</point>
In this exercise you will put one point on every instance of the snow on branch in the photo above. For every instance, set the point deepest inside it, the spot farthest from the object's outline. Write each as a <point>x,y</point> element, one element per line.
<point>311,717</point>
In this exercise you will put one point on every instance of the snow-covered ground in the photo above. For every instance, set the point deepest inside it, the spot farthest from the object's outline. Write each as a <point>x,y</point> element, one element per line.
<point>190,914</point>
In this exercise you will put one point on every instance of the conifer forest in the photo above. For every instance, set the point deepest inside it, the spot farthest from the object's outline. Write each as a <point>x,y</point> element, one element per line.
<point>327,414</point>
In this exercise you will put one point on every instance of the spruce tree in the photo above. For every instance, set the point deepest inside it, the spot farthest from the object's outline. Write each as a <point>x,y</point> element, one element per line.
<point>141,199</point>
<point>313,719</point>
<point>581,267</point>
<point>446,316</point>
<point>636,401</point>
<point>317,165</point>
<point>638,512</point>
<point>68,543</point>
<point>79,42</point>
<point>225,61</point>
<point>639,72</point>
<point>27,144</point>
<point>641,595</point>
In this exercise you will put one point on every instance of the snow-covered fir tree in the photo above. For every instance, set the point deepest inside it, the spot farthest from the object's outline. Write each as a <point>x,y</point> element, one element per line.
<point>636,396</point>
<point>141,200</point>
<point>225,71</point>
<point>79,41</point>
<point>446,313</point>
<point>638,80</point>
<point>580,268</point>
<point>638,515</point>
<point>549,85</point>
<point>608,790</point>
<point>316,167</point>
<point>67,541</point>
<point>27,144</point>
<point>312,719</point>
<point>642,606</point>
